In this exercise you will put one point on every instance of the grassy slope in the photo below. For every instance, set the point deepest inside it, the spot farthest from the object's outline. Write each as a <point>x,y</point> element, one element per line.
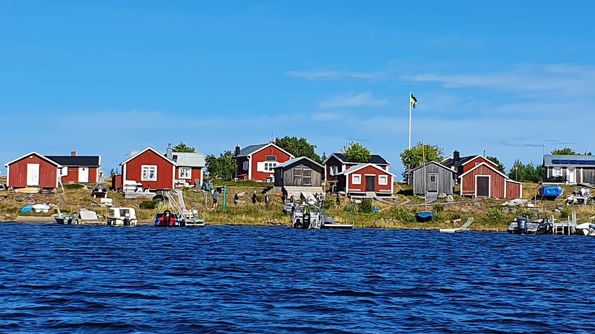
<point>488,214</point>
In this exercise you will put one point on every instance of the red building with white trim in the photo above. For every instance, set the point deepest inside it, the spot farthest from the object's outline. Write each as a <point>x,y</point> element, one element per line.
<point>78,168</point>
<point>151,169</point>
<point>257,162</point>
<point>33,170</point>
<point>484,180</point>
<point>361,179</point>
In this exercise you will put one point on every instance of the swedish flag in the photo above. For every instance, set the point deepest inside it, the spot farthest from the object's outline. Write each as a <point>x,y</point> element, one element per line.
<point>412,100</point>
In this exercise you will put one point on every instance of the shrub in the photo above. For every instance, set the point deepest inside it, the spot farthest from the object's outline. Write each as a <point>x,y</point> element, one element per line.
<point>438,208</point>
<point>494,215</point>
<point>148,204</point>
<point>402,214</point>
<point>366,206</point>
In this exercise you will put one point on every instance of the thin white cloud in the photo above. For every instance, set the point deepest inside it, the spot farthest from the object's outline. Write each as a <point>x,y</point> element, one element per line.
<point>527,79</point>
<point>336,75</point>
<point>353,100</point>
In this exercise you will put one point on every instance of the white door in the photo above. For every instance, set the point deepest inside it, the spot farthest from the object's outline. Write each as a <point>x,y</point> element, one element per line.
<point>571,175</point>
<point>33,175</point>
<point>83,175</point>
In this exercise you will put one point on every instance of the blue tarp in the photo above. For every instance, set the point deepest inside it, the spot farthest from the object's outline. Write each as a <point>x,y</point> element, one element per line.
<point>551,191</point>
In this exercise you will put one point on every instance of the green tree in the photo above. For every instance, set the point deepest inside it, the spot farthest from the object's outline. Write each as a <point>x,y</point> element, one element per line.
<point>564,151</point>
<point>356,152</point>
<point>181,147</point>
<point>222,167</point>
<point>526,172</point>
<point>498,163</point>
<point>299,147</point>
<point>420,154</point>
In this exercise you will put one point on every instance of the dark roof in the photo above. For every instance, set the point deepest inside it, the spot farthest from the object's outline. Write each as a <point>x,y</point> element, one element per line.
<point>296,160</point>
<point>449,162</point>
<point>250,149</point>
<point>374,159</point>
<point>81,160</point>
<point>569,160</point>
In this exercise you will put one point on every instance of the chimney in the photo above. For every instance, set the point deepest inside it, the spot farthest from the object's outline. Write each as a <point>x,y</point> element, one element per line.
<point>456,156</point>
<point>170,151</point>
<point>73,153</point>
<point>237,150</point>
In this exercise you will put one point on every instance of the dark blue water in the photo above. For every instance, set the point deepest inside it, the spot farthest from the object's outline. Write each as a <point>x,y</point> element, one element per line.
<point>274,280</point>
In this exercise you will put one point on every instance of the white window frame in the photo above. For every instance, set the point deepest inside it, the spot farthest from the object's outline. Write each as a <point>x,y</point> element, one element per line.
<point>556,171</point>
<point>145,173</point>
<point>185,173</point>
<point>356,179</point>
<point>64,171</point>
<point>334,170</point>
<point>383,180</point>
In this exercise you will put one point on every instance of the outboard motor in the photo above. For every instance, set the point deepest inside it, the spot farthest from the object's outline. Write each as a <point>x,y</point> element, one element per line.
<point>522,225</point>
<point>297,223</point>
<point>306,220</point>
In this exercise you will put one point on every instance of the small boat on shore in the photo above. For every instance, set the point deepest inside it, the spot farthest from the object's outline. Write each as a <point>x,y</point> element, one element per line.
<point>307,216</point>
<point>82,216</point>
<point>586,229</point>
<point>424,216</point>
<point>524,225</point>
<point>169,219</point>
<point>122,217</point>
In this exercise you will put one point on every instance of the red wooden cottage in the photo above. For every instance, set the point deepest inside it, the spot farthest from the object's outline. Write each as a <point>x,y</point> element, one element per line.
<point>362,179</point>
<point>151,169</point>
<point>78,169</point>
<point>337,163</point>
<point>258,162</point>
<point>33,170</point>
<point>484,180</point>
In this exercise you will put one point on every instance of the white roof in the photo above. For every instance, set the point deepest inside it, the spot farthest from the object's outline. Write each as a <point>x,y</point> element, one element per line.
<point>187,159</point>
<point>361,166</point>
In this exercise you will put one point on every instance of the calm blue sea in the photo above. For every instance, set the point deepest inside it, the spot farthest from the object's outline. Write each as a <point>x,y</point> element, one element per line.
<point>222,279</point>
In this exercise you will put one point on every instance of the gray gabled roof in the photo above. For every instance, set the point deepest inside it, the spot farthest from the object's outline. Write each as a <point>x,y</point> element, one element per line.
<point>295,160</point>
<point>568,160</point>
<point>246,151</point>
<point>189,159</point>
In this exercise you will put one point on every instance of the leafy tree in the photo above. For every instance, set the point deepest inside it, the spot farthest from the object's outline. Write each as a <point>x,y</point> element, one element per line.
<point>498,163</point>
<point>222,167</point>
<point>564,151</point>
<point>181,147</point>
<point>356,152</point>
<point>420,154</point>
<point>323,157</point>
<point>526,172</point>
<point>299,147</point>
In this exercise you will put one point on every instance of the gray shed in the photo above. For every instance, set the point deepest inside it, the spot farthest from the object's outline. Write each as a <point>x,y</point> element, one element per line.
<point>299,172</point>
<point>432,178</point>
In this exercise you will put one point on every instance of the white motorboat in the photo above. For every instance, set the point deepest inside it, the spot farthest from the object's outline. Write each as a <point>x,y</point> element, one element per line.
<point>122,217</point>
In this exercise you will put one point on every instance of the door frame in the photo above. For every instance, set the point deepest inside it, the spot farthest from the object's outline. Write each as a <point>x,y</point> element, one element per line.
<point>373,177</point>
<point>437,186</point>
<point>489,184</point>
<point>38,175</point>
<point>79,174</point>
<point>573,169</point>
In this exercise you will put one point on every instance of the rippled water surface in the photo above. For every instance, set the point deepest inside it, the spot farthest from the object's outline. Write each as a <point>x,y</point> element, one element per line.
<point>269,279</point>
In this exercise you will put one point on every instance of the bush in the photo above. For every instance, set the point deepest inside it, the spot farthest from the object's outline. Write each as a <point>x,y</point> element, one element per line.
<point>402,214</point>
<point>438,208</point>
<point>366,206</point>
<point>148,204</point>
<point>494,215</point>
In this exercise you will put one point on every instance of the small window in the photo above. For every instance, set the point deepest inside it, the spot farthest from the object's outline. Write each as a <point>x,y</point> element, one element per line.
<point>557,172</point>
<point>175,157</point>
<point>270,158</point>
<point>307,181</point>
<point>356,179</point>
<point>245,165</point>
<point>383,180</point>
<point>185,173</point>
<point>64,171</point>
<point>149,173</point>
<point>334,170</point>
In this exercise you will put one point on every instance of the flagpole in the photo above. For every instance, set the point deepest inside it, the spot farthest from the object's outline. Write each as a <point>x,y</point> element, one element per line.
<point>410,119</point>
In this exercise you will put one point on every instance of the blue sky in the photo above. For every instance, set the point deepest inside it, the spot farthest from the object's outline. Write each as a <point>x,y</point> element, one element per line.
<point>110,77</point>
